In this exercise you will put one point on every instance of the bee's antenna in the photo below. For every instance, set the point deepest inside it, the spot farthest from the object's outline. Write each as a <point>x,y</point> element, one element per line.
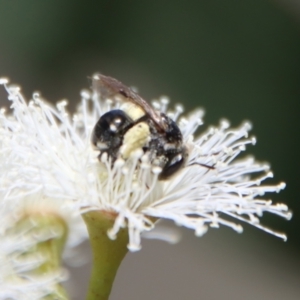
<point>203,165</point>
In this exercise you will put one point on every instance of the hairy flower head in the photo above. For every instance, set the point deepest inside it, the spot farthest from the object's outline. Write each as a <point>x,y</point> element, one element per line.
<point>46,152</point>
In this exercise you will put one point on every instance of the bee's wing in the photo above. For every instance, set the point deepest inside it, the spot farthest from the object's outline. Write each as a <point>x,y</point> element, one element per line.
<point>109,87</point>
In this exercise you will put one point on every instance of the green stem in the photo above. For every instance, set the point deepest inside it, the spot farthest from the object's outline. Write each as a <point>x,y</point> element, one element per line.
<point>107,254</point>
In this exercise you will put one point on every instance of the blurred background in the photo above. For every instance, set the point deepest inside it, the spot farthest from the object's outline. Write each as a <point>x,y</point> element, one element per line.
<point>238,60</point>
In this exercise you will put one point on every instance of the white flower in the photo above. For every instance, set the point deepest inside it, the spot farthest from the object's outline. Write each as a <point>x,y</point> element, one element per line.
<point>21,234</point>
<point>46,151</point>
<point>22,203</point>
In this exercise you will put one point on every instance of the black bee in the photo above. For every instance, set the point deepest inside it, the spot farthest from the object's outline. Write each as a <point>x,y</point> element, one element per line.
<point>137,125</point>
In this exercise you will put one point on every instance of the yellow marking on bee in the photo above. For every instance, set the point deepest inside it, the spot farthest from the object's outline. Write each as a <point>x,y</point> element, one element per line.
<point>132,110</point>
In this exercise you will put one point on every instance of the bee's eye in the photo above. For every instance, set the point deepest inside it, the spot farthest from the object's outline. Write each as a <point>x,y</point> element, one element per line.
<point>110,128</point>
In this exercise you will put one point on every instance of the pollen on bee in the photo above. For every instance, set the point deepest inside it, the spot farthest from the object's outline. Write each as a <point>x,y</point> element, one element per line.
<point>169,146</point>
<point>135,138</point>
<point>101,146</point>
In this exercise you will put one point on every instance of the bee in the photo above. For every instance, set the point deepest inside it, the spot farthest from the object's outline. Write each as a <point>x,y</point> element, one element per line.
<point>135,124</point>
